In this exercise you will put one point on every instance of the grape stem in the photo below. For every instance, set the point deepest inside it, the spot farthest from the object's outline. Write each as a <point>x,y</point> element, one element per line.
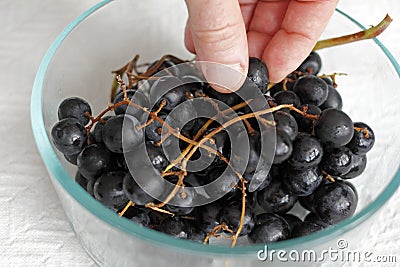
<point>201,132</point>
<point>130,203</point>
<point>214,232</point>
<point>250,129</point>
<point>364,130</point>
<point>178,184</point>
<point>370,33</point>
<point>328,176</point>
<point>235,237</point>
<point>332,77</point>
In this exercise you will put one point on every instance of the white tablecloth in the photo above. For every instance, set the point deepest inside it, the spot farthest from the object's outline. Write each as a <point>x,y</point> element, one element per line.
<point>33,228</point>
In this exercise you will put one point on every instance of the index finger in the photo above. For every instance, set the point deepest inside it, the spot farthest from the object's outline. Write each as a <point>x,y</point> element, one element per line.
<point>303,24</point>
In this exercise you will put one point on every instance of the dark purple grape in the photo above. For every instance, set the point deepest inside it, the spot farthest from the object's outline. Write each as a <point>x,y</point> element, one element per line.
<point>258,74</point>
<point>154,131</point>
<point>334,128</point>
<point>306,228</point>
<point>361,142</point>
<point>292,220</point>
<point>287,97</point>
<point>98,128</point>
<point>69,136</point>
<point>328,80</point>
<point>220,142</point>
<point>290,80</point>
<point>226,183</point>
<point>305,124</point>
<point>119,162</point>
<point>251,199</point>
<point>193,82</point>
<point>231,213</point>
<point>334,99</point>
<point>229,99</point>
<point>94,160</point>
<point>358,165</point>
<point>336,161</point>
<point>184,200</point>
<point>164,65</point>
<point>284,147</point>
<point>260,177</point>
<point>197,124</point>
<point>307,202</point>
<point>183,116</point>
<point>120,133</point>
<point>254,159</point>
<point>74,107</point>
<point>311,90</point>
<point>176,227</point>
<point>303,182</point>
<point>156,156</point>
<point>135,193</point>
<point>136,97</point>
<point>167,88</point>
<point>196,234</point>
<point>269,228</point>
<point>312,64</point>
<point>71,158</point>
<point>314,218</point>
<point>307,152</point>
<point>149,182</point>
<point>90,186</point>
<point>207,216</point>
<point>193,180</point>
<point>108,189</point>
<point>266,181</point>
<point>169,64</point>
<point>138,216</point>
<point>141,219</point>
<point>287,123</point>
<point>335,202</point>
<point>81,180</point>
<point>209,171</point>
<point>276,198</point>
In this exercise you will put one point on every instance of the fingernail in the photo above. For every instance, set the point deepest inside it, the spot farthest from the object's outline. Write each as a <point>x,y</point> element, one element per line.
<point>223,78</point>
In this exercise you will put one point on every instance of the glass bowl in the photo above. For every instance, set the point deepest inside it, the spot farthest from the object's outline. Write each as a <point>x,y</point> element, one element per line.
<point>105,37</point>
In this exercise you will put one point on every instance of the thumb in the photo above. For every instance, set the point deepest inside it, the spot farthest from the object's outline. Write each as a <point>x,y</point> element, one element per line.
<point>218,34</point>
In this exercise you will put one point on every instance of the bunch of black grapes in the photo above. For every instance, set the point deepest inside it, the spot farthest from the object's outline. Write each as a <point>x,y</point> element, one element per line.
<point>318,150</point>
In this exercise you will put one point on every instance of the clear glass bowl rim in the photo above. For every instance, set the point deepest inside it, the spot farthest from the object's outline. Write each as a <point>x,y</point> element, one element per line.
<point>56,169</point>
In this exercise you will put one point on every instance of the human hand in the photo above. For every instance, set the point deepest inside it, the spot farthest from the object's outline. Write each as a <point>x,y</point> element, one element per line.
<point>281,33</point>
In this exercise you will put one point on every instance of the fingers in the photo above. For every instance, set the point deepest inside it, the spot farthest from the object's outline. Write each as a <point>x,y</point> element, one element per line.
<point>266,21</point>
<point>218,34</point>
<point>188,40</point>
<point>247,8</point>
<point>303,24</point>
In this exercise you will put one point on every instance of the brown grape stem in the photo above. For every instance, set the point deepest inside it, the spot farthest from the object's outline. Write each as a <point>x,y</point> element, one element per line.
<point>178,184</point>
<point>332,77</point>
<point>250,129</point>
<point>155,208</point>
<point>235,237</point>
<point>329,177</point>
<point>215,230</point>
<point>364,130</point>
<point>370,33</point>
<point>130,204</point>
<point>200,133</point>
<point>304,113</point>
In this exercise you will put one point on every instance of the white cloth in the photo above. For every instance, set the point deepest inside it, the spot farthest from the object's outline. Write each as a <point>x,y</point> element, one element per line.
<point>33,228</point>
